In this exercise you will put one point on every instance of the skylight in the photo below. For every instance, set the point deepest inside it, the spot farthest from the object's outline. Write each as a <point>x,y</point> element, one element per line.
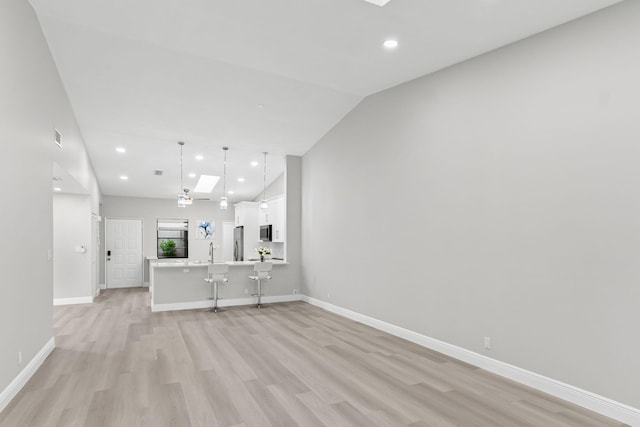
<point>206,183</point>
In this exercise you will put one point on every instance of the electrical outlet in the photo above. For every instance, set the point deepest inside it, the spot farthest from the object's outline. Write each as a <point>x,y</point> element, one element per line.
<point>295,292</point>
<point>487,343</point>
<point>19,358</point>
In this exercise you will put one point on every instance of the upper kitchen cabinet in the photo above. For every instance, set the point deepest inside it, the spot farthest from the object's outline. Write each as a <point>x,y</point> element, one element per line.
<point>263,217</point>
<point>246,214</point>
<point>277,218</point>
<point>274,216</point>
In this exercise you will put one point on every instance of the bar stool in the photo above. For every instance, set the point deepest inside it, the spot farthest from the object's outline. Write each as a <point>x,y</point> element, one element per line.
<point>216,273</point>
<point>261,271</point>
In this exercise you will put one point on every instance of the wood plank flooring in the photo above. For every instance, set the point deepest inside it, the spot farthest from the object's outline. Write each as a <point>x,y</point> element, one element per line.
<point>291,364</point>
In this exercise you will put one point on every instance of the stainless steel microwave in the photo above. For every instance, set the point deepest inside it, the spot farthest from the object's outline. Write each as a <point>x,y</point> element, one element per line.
<point>265,233</point>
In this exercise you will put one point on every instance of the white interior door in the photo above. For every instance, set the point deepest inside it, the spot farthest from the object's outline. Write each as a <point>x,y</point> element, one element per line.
<point>124,252</point>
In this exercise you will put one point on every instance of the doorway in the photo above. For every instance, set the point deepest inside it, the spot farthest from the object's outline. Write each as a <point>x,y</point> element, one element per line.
<point>123,249</point>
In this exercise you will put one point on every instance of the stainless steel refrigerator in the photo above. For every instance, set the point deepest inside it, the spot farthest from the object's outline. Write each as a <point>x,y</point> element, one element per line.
<point>238,244</point>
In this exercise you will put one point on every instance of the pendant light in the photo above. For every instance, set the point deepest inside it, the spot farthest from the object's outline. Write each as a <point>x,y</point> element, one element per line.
<point>264,205</point>
<point>223,199</point>
<point>183,197</point>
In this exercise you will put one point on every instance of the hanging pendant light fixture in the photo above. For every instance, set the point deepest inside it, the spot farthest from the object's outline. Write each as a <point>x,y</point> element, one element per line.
<point>264,205</point>
<point>183,197</point>
<point>223,199</point>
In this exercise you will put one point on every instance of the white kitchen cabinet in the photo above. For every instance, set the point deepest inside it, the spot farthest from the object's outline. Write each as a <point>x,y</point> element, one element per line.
<point>263,217</point>
<point>246,213</point>
<point>277,218</point>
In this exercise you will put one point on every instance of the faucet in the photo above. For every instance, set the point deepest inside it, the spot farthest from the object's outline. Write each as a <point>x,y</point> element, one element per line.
<point>211,251</point>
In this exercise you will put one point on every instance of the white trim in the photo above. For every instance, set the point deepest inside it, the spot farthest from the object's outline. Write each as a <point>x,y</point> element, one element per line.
<point>192,305</point>
<point>602,405</point>
<point>102,286</point>
<point>21,379</point>
<point>69,301</point>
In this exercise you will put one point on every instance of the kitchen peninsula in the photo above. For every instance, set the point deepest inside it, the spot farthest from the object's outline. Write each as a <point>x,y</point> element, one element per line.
<point>180,285</point>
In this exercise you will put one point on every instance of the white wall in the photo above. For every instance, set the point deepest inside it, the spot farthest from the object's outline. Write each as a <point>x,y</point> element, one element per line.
<point>32,103</point>
<point>496,198</point>
<point>72,273</point>
<point>276,188</point>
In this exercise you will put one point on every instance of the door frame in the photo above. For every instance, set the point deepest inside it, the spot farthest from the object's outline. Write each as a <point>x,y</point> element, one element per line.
<point>95,246</point>
<point>106,271</point>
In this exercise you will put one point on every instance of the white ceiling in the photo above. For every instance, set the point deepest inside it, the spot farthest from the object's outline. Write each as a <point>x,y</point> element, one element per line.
<point>254,75</point>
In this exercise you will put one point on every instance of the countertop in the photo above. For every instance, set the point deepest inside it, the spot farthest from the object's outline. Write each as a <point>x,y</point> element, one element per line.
<point>182,264</point>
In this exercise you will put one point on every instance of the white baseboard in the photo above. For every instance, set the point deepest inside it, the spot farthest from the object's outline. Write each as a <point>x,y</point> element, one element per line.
<point>16,385</point>
<point>69,301</point>
<point>594,402</point>
<point>193,305</point>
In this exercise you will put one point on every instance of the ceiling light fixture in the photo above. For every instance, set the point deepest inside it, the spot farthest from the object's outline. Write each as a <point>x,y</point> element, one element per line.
<point>390,44</point>
<point>121,150</point>
<point>124,177</point>
<point>183,198</point>
<point>192,175</point>
<point>240,179</point>
<point>230,192</point>
<point>254,163</point>
<point>264,205</point>
<point>223,199</point>
<point>57,189</point>
<point>378,2</point>
<point>199,157</point>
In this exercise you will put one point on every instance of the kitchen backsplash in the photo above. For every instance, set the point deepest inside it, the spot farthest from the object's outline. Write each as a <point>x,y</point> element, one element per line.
<point>277,249</point>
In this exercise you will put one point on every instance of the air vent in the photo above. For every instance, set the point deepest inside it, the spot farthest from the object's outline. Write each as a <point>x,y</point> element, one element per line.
<point>57,138</point>
<point>158,173</point>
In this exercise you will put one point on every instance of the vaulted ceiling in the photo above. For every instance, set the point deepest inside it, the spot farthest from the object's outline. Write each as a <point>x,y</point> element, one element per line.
<point>253,75</point>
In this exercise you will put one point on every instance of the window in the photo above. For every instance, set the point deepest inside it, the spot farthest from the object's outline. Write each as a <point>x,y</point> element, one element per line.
<point>173,238</point>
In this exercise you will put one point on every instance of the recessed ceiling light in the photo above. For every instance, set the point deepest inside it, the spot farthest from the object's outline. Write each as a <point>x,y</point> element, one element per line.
<point>121,150</point>
<point>199,157</point>
<point>206,183</point>
<point>254,163</point>
<point>230,192</point>
<point>192,175</point>
<point>390,44</point>
<point>124,177</point>
<point>378,2</point>
<point>240,179</point>
<point>57,189</point>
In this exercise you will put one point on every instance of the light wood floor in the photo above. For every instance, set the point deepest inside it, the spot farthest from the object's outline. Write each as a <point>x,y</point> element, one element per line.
<point>292,364</point>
